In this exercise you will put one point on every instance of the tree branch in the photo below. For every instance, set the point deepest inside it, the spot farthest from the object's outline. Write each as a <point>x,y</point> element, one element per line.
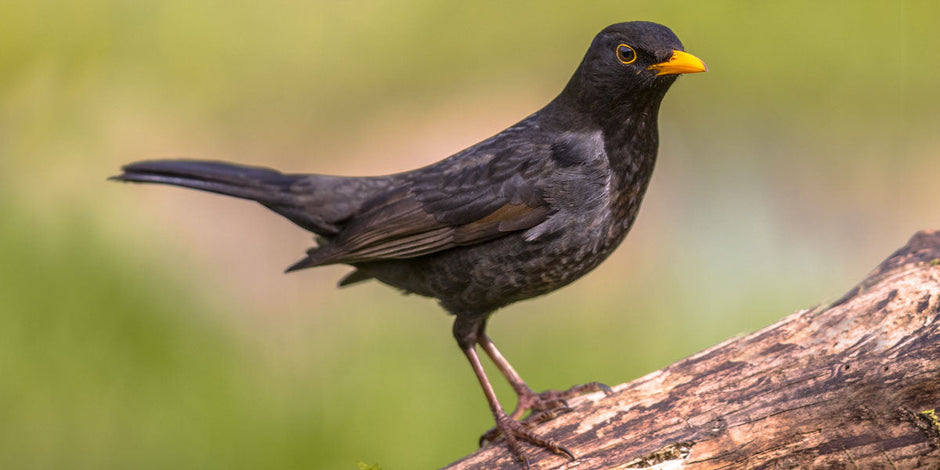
<point>848,385</point>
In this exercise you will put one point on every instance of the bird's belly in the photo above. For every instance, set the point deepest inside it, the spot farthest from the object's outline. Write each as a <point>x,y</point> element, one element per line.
<point>482,278</point>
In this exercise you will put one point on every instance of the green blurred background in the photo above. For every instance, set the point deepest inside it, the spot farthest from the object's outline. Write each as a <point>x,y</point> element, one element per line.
<point>150,327</point>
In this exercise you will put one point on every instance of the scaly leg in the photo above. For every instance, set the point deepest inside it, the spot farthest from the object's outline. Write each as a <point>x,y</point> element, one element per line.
<point>546,405</point>
<point>466,331</point>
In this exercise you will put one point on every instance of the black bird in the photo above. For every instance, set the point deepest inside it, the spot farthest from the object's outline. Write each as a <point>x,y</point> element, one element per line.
<point>515,216</point>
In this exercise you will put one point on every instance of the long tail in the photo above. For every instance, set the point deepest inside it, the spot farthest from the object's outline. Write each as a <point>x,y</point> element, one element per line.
<point>264,185</point>
<point>273,189</point>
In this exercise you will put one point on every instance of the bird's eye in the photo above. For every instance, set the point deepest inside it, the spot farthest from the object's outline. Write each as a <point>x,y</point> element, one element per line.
<point>625,54</point>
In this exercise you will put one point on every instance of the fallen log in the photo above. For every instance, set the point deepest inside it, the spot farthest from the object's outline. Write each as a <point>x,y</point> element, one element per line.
<point>854,384</point>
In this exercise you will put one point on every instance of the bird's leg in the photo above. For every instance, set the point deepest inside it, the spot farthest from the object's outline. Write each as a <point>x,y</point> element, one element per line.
<point>545,405</point>
<point>466,331</point>
<point>529,400</point>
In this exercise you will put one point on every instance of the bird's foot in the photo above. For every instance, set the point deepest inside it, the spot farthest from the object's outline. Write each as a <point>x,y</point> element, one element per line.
<point>552,400</point>
<point>544,406</point>
<point>514,432</point>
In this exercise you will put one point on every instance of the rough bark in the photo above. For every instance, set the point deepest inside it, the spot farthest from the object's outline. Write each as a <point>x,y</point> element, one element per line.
<point>853,384</point>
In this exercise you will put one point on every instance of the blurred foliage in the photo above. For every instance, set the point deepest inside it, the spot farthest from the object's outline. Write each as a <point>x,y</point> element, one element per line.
<point>148,328</point>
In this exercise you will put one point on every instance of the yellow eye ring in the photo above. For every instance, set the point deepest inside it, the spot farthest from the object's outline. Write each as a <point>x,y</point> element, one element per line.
<point>626,54</point>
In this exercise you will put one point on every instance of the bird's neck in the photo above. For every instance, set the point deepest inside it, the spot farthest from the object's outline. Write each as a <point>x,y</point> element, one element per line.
<point>631,140</point>
<point>629,127</point>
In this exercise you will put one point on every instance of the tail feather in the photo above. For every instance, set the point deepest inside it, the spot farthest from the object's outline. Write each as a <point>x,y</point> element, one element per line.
<point>303,204</point>
<point>321,204</point>
<point>264,185</point>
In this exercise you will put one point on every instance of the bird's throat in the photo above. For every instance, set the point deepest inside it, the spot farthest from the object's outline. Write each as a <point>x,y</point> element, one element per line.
<point>631,147</point>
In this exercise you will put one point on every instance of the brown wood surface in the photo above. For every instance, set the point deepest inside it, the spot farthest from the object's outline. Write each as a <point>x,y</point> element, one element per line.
<point>848,385</point>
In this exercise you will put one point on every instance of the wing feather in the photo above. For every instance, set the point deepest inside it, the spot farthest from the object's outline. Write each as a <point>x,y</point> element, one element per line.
<point>406,223</point>
<point>475,196</point>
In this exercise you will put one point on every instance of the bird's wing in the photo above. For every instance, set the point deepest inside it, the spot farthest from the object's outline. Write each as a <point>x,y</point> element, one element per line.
<point>461,201</point>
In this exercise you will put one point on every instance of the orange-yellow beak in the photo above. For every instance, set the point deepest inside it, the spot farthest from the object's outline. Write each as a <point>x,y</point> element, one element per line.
<point>680,62</point>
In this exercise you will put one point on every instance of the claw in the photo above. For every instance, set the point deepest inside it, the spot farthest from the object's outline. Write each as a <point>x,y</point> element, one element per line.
<point>514,431</point>
<point>603,387</point>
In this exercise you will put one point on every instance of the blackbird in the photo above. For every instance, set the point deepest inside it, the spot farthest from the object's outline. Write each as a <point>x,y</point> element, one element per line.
<point>515,216</point>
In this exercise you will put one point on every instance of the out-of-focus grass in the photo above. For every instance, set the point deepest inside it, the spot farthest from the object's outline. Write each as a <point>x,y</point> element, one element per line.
<point>107,364</point>
<point>150,327</point>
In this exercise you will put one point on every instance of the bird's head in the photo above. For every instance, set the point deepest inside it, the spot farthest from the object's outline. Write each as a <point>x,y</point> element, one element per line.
<point>630,64</point>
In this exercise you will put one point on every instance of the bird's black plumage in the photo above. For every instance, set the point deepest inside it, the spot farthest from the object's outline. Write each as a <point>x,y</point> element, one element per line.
<point>515,216</point>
